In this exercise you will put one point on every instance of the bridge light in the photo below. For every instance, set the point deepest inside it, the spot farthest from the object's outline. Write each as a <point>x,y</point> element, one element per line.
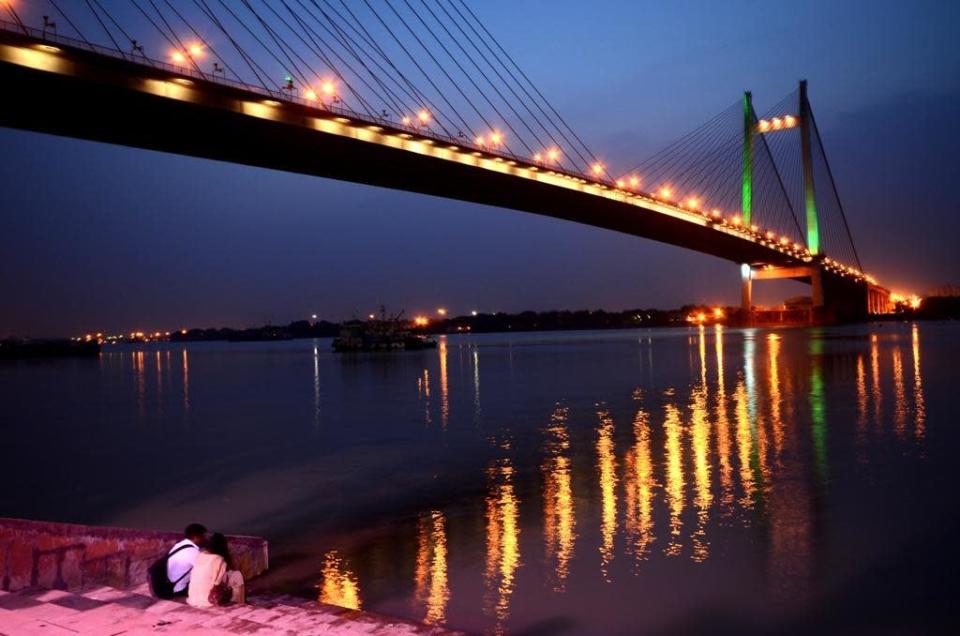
<point>310,95</point>
<point>634,182</point>
<point>553,154</point>
<point>537,157</point>
<point>328,88</point>
<point>736,220</point>
<point>620,183</point>
<point>496,138</point>
<point>597,168</point>
<point>789,121</point>
<point>770,236</point>
<point>777,123</point>
<point>178,57</point>
<point>196,50</point>
<point>715,213</point>
<point>693,203</point>
<point>665,193</point>
<point>784,240</point>
<point>423,117</point>
<point>480,141</point>
<point>763,125</point>
<point>754,229</point>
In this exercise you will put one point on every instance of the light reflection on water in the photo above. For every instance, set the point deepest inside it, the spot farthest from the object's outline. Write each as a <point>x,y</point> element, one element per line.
<point>591,467</point>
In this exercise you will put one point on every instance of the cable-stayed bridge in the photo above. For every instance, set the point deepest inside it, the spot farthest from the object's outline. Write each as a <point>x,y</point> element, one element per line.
<point>421,97</point>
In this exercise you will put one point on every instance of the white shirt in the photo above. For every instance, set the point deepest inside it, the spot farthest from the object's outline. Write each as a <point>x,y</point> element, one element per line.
<point>181,564</point>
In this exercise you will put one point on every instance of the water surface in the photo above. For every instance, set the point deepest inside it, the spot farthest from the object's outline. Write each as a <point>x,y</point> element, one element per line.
<point>656,481</point>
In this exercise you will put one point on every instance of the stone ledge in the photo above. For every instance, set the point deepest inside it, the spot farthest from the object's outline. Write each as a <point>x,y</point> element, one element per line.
<point>71,556</point>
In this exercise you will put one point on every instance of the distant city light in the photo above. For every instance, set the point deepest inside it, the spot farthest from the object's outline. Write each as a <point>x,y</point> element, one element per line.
<point>442,311</point>
<point>421,321</point>
<point>473,313</point>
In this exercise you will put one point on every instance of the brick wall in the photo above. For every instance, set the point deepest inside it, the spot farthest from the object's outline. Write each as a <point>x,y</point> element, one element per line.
<point>69,556</point>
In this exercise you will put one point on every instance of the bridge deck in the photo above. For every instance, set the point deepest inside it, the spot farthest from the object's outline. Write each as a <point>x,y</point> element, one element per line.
<point>78,93</point>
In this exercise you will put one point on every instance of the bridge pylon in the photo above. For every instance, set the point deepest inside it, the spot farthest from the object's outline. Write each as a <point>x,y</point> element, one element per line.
<point>809,189</point>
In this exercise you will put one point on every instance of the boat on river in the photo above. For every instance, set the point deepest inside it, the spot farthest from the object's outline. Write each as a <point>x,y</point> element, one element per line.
<point>386,333</point>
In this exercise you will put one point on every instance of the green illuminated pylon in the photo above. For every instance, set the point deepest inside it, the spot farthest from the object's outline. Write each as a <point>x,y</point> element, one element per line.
<point>809,192</point>
<point>746,203</point>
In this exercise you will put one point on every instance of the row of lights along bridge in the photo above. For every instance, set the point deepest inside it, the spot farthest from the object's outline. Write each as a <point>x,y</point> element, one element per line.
<point>327,93</point>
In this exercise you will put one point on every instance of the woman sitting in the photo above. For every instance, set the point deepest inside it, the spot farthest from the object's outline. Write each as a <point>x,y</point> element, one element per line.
<point>212,582</point>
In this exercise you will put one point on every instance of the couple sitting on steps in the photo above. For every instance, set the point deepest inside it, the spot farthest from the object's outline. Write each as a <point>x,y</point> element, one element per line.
<point>199,567</point>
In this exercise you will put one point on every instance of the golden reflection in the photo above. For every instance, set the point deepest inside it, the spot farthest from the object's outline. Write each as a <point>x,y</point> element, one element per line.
<point>703,356</point>
<point>503,541</point>
<point>899,392</point>
<point>138,370</point>
<point>159,365</point>
<point>675,482</point>
<point>432,589</point>
<point>920,416</point>
<point>700,443</point>
<point>444,388</point>
<point>638,485</point>
<point>423,387</point>
<point>744,446</point>
<point>338,584</point>
<point>723,429</point>
<point>773,370</point>
<point>559,516</point>
<point>185,363</point>
<point>861,399</point>
<point>607,473</point>
<point>875,377</point>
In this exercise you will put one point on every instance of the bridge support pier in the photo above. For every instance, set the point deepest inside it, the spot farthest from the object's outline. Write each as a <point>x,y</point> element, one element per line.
<point>746,288</point>
<point>811,274</point>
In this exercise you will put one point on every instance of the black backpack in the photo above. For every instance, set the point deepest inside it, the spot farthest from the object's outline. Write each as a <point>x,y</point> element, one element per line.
<point>160,584</point>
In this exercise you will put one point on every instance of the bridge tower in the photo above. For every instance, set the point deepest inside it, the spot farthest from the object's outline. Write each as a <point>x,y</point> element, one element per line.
<point>809,191</point>
<point>811,273</point>
<point>746,198</point>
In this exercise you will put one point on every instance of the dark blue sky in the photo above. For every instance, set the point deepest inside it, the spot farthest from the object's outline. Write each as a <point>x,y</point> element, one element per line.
<point>99,237</point>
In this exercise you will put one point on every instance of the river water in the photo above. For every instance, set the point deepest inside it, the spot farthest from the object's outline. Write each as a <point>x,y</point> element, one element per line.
<point>657,481</point>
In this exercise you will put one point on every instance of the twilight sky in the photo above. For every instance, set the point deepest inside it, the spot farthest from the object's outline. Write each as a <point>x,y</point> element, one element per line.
<point>98,237</point>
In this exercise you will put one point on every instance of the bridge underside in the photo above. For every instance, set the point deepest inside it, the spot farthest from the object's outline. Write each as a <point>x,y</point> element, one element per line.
<point>103,99</point>
<point>80,94</point>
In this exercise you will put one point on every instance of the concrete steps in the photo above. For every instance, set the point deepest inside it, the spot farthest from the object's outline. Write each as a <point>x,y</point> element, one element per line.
<point>110,611</point>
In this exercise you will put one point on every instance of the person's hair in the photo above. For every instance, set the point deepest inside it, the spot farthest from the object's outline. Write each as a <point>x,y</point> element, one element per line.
<point>194,530</point>
<point>218,545</point>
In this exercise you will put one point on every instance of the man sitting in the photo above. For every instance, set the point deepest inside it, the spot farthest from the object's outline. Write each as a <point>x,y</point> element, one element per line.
<point>182,556</point>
